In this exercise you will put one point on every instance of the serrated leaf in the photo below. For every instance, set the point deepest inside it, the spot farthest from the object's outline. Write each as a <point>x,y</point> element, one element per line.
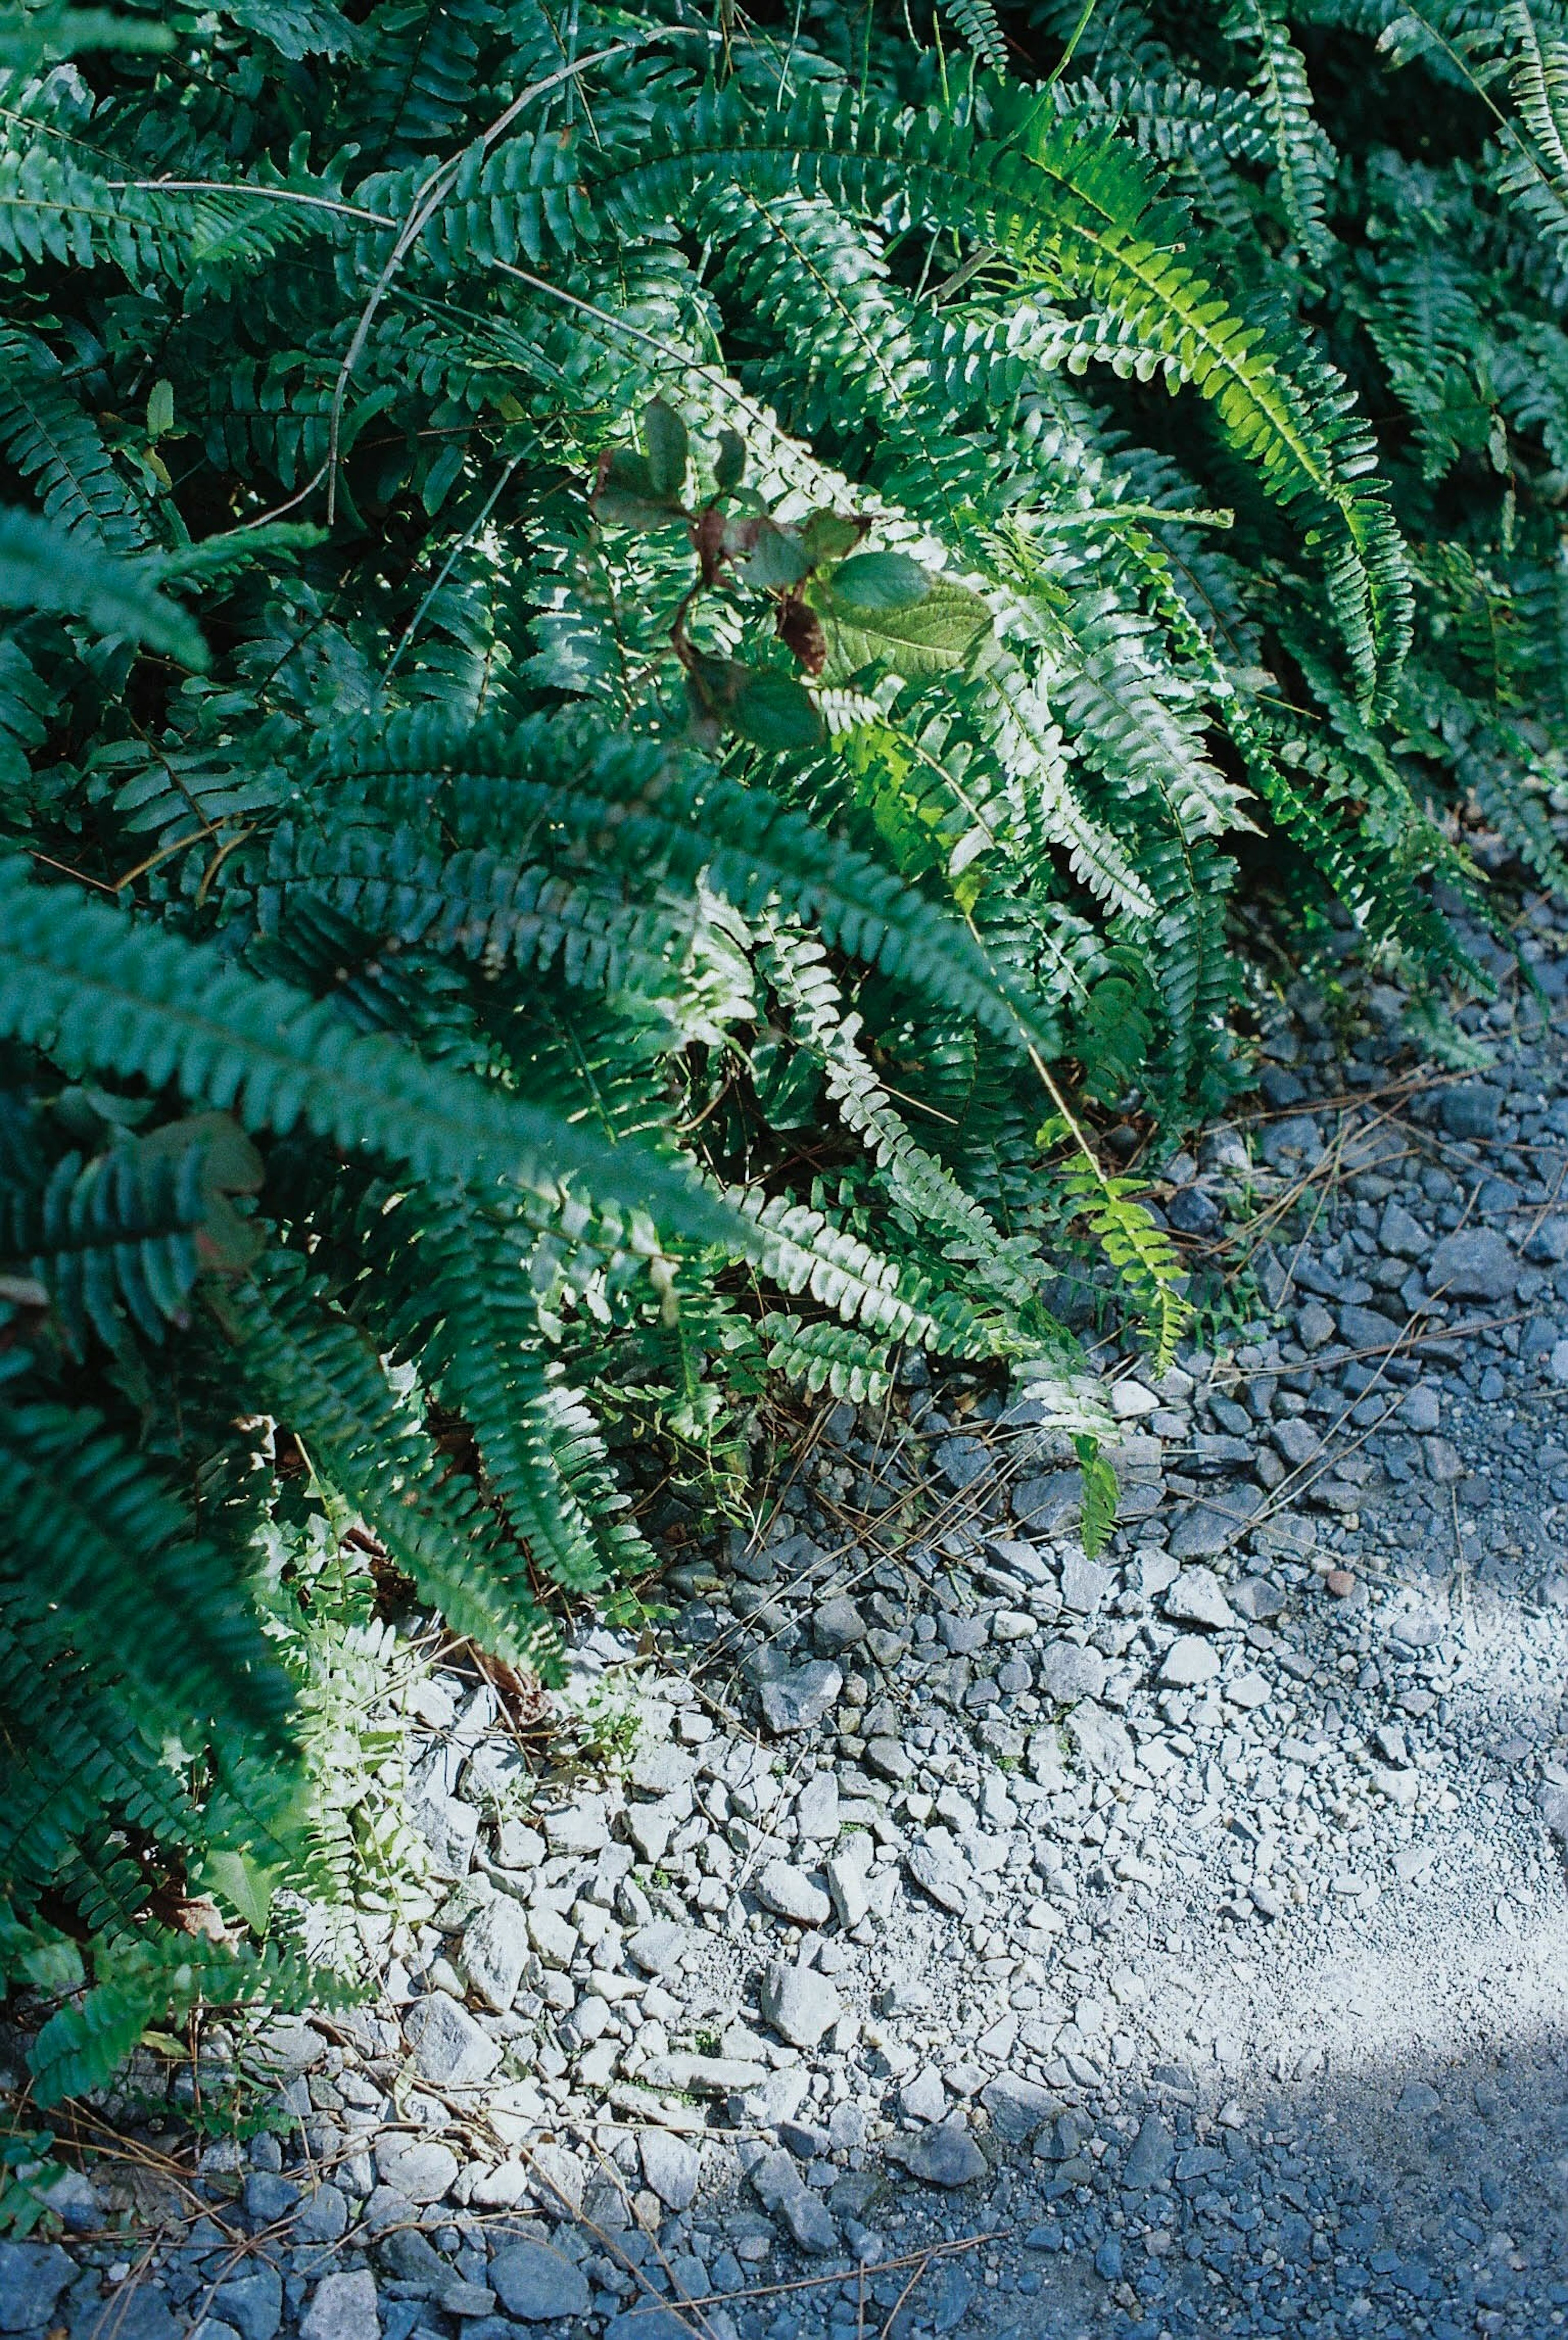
<point>931,636</point>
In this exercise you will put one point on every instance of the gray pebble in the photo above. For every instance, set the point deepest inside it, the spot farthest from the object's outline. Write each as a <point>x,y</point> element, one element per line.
<point>252,2306</point>
<point>789,1893</point>
<point>449,2049</point>
<point>799,2004</point>
<point>537,2283</point>
<point>31,2277</point>
<point>801,1698</point>
<point>670,2167</point>
<point>342,2307</point>
<point>944,2155</point>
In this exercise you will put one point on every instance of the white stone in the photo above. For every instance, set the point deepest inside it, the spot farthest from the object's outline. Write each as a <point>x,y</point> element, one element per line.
<point>1188,1662</point>
<point>1195,1598</point>
<point>551,1936</point>
<point>494,1950</point>
<point>800,2004</point>
<point>923,2098</point>
<point>789,1893</point>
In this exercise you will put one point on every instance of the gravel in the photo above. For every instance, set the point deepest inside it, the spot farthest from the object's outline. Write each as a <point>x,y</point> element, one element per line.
<point>1183,1931</point>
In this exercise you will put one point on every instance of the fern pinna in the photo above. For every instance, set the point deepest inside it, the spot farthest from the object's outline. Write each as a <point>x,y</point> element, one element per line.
<point>632,671</point>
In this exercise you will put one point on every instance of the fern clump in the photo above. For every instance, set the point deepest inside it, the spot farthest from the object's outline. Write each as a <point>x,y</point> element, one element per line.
<point>634,679</point>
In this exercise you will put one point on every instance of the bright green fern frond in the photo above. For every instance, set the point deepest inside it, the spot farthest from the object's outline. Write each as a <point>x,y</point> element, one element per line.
<point>485,1358</point>
<point>1072,208</point>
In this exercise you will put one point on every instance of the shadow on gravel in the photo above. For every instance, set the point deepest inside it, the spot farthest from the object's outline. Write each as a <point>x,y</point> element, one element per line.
<point>1429,2199</point>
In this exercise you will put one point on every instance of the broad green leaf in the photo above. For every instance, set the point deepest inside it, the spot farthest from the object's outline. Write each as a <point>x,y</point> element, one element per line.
<point>876,581</point>
<point>240,1880</point>
<point>778,559</point>
<point>665,436</point>
<point>828,536</point>
<point>931,636</point>
<point>730,464</point>
<point>771,711</point>
<point>160,408</point>
<point>30,37</point>
<point>626,494</point>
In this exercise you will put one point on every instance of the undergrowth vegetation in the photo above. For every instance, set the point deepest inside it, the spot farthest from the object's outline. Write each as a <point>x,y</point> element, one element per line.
<point>645,647</point>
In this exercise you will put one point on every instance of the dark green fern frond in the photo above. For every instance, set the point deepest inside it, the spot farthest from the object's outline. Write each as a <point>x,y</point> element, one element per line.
<point>1302,154</point>
<point>51,443</point>
<point>125,1234</point>
<point>92,989</point>
<point>320,1376</point>
<point>93,1520</point>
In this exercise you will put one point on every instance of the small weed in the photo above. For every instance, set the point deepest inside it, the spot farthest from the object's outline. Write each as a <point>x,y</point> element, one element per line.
<point>27,2174</point>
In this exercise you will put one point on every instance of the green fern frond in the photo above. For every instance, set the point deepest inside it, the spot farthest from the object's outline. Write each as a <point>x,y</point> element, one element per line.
<point>41,568</point>
<point>1301,152</point>
<point>823,1355</point>
<point>643,810</point>
<point>1139,1250</point>
<point>321,1376</point>
<point>978,26</point>
<point>84,983</point>
<point>105,1534</point>
<point>49,440</point>
<point>125,1235</point>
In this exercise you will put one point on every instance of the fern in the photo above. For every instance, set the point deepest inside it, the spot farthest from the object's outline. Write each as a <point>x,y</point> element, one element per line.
<point>978,25</point>
<point>612,665</point>
<point>95,990</point>
<point>52,443</point>
<point>43,569</point>
<point>1302,153</point>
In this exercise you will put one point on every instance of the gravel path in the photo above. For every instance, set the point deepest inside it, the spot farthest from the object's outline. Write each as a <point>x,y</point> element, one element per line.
<point>981,1939</point>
